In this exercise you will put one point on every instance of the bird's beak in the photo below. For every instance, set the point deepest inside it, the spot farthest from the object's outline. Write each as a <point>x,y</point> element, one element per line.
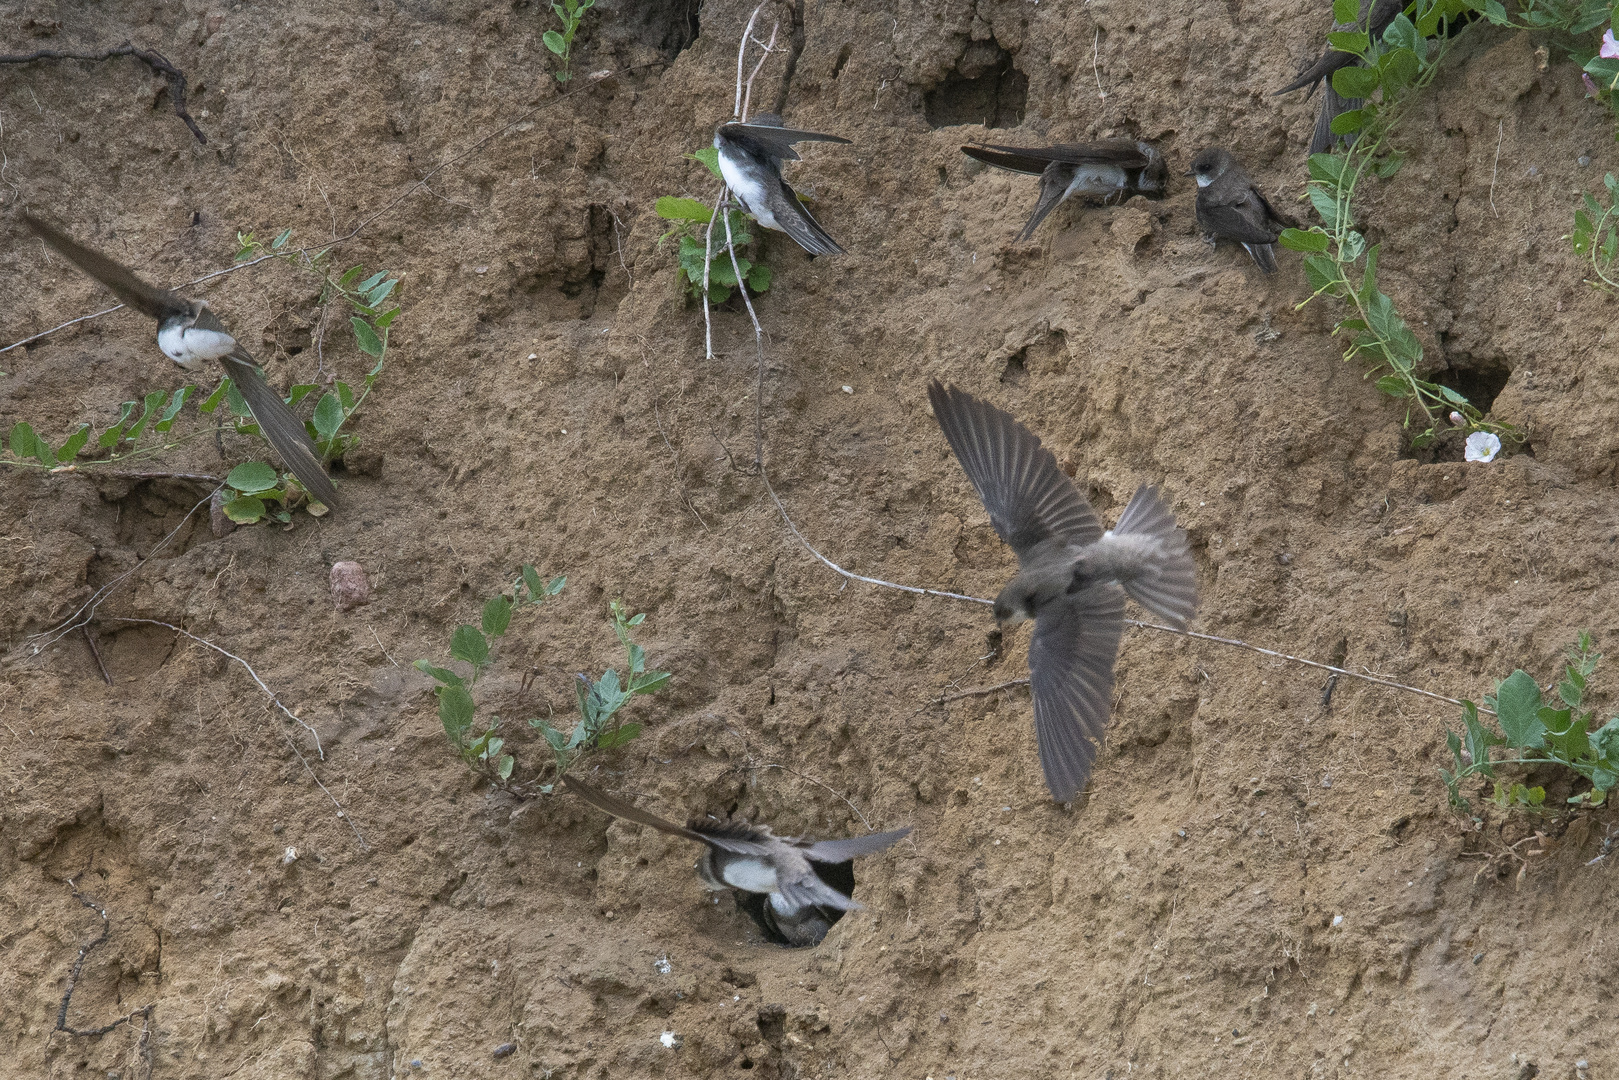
<point>1189,172</point>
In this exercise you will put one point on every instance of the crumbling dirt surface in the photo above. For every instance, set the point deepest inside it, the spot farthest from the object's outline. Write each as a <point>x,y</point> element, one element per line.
<point>1259,884</point>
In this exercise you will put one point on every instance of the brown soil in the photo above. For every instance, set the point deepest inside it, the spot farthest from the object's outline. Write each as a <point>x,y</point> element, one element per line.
<point>1182,921</point>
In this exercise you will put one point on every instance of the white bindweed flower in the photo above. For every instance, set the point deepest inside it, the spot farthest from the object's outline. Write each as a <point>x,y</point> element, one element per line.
<point>1482,446</point>
<point>1457,420</point>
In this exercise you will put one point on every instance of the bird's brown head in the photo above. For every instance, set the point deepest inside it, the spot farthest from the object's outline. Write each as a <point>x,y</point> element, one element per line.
<point>1210,165</point>
<point>1015,603</point>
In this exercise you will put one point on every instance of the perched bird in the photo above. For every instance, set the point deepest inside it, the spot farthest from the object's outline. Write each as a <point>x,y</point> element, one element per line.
<point>1072,577</point>
<point>190,334</point>
<point>1332,104</point>
<point>1229,207</point>
<point>794,889</point>
<point>750,160</point>
<point>1114,169</point>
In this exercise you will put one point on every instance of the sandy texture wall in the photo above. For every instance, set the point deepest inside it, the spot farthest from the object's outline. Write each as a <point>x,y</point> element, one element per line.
<point>1257,886</point>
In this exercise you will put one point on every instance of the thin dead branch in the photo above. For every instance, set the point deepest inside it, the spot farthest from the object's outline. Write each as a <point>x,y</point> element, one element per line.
<point>175,77</point>
<point>78,967</point>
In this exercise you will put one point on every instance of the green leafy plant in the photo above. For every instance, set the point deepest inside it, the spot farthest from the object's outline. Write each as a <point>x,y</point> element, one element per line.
<point>571,12</point>
<point>1542,732</point>
<point>1337,260</point>
<point>599,701</point>
<point>704,247</point>
<point>1596,236</point>
<point>1575,22</point>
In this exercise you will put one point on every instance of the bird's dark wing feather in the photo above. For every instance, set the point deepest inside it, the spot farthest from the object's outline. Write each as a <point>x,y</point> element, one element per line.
<point>1028,498</point>
<point>1071,659</point>
<point>767,140</point>
<point>803,227</point>
<point>837,851</point>
<point>1245,218</point>
<point>612,804</point>
<point>279,423</point>
<point>153,302</point>
<point>1034,159</point>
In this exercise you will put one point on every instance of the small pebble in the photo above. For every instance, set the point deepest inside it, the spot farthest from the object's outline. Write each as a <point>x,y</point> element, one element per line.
<point>290,857</point>
<point>1584,161</point>
<point>662,966</point>
<point>505,1050</point>
<point>1337,920</point>
<point>670,1040</point>
<point>848,389</point>
<point>350,587</point>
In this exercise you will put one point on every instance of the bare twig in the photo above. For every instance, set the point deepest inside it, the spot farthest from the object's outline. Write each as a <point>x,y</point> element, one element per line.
<point>176,78</point>
<point>983,691</point>
<point>203,477</point>
<point>90,640</point>
<point>342,813</point>
<point>817,783</point>
<point>248,667</point>
<point>87,610</point>
<point>78,967</point>
<point>1500,133</point>
<point>1096,62</point>
<point>1233,642</point>
<point>742,50</point>
<point>759,348</point>
<point>747,90</point>
<point>387,208</point>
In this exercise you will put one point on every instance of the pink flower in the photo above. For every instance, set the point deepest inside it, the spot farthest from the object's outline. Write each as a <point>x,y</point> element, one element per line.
<point>1610,47</point>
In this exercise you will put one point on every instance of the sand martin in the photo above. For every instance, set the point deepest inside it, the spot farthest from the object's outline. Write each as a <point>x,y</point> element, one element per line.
<point>1072,576</point>
<point>1382,13</point>
<point>1112,170</point>
<point>794,889</point>
<point>1229,207</point>
<point>750,160</point>
<point>190,334</point>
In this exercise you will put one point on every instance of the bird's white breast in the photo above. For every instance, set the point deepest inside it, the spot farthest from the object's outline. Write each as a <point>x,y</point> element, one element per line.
<point>749,190</point>
<point>1095,180</point>
<point>750,875</point>
<point>191,348</point>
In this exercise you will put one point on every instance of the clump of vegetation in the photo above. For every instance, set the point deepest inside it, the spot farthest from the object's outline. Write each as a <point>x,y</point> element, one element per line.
<point>704,248</point>
<point>1596,237</point>
<point>1542,732</point>
<point>1573,24</point>
<point>1337,260</point>
<point>571,12</point>
<point>136,436</point>
<point>599,701</point>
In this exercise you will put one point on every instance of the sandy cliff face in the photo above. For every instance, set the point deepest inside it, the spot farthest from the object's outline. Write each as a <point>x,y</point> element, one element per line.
<point>1258,885</point>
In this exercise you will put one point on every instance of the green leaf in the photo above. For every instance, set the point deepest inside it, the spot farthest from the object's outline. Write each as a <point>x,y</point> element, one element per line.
<point>1327,168</point>
<point>345,396</point>
<point>245,509</point>
<point>469,644</point>
<point>680,209</point>
<point>1348,122</point>
<point>1452,396</point>
<point>1479,740</point>
<point>618,736</point>
<point>1605,743</point>
<point>152,402</point>
<point>1320,271</point>
<point>251,477</point>
<point>75,443</point>
<point>1346,11</point>
<point>1388,166</point>
<point>554,42</point>
<point>235,402</point>
<point>651,682</point>
<point>300,391</point>
<point>1300,240</point>
<point>710,157</point>
<point>380,293</point>
<point>506,764</point>
<point>386,319</point>
<point>1496,13</point>
<point>1401,34</point>
<point>531,580</point>
<point>371,282</point>
<point>552,735</point>
<point>26,444</point>
<point>443,675</point>
<point>759,278</point>
<point>556,585</point>
<point>1350,41</point>
<point>1354,81</point>
<point>1394,386</point>
<point>166,419</point>
<point>1398,69</point>
<point>366,337</point>
<point>350,274</point>
<point>281,241</point>
<point>1567,740</point>
<point>112,435</point>
<point>328,416</point>
<point>1517,707</point>
<point>497,615</point>
<point>1326,205</point>
<point>455,711</point>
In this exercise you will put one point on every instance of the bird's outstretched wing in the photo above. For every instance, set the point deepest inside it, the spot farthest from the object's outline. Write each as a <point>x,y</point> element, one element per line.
<point>1071,659</point>
<point>773,140</point>
<point>1028,498</point>
<point>279,423</point>
<point>836,851</point>
<point>1034,159</point>
<point>146,299</point>
<point>737,839</point>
